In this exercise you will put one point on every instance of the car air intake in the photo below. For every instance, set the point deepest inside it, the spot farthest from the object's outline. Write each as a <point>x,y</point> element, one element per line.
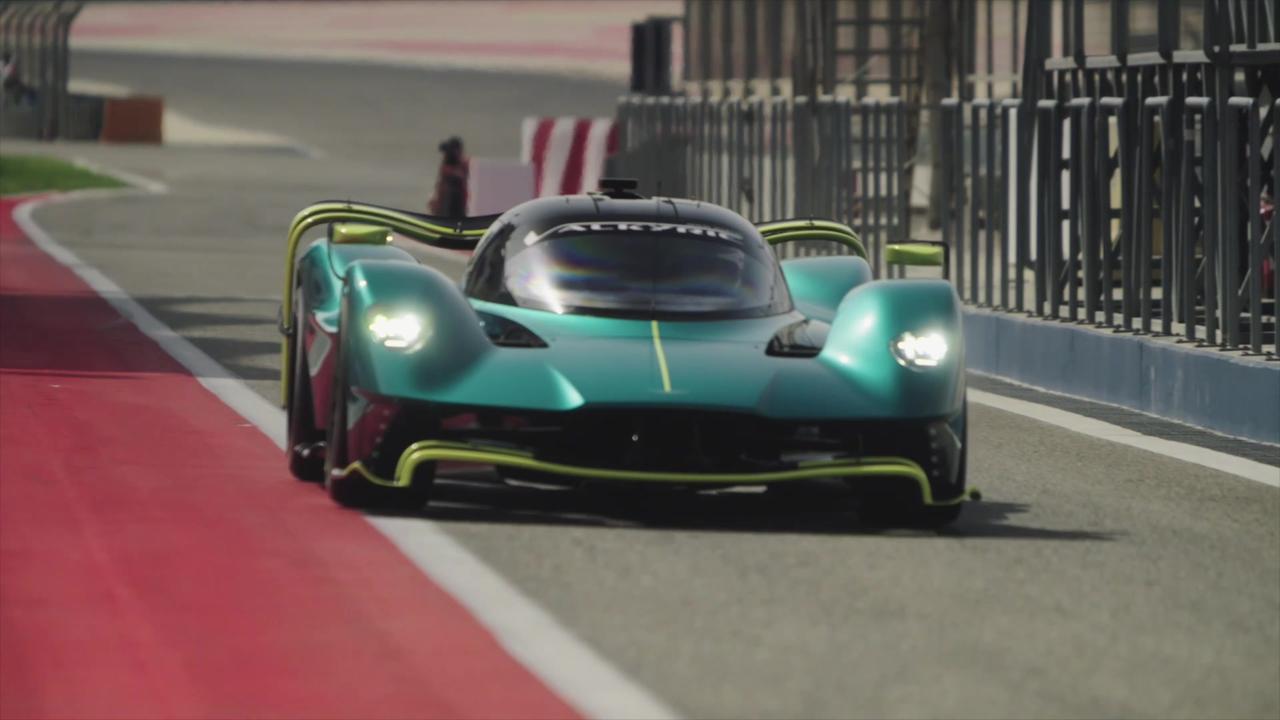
<point>803,339</point>
<point>509,333</point>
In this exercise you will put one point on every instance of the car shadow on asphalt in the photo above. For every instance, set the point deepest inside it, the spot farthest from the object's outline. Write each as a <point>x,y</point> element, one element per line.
<point>468,501</point>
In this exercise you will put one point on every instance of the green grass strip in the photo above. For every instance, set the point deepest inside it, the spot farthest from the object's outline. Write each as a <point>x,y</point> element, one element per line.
<point>35,173</point>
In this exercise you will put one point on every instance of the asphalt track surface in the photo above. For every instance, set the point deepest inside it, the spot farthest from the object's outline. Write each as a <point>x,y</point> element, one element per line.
<point>1096,580</point>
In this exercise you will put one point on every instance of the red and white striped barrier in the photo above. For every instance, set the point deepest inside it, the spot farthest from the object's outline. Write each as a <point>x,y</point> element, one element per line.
<point>567,153</point>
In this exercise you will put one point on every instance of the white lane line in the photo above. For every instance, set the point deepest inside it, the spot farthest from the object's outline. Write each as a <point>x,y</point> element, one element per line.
<point>1242,467</point>
<point>546,648</point>
<point>152,186</point>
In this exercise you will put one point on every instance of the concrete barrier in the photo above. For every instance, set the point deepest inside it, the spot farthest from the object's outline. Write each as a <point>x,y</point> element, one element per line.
<point>133,119</point>
<point>1219,391</point>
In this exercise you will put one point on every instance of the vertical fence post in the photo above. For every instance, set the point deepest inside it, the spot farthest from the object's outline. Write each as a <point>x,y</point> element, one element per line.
<point>664,152</point>
<point>1016,197</point>
<point>1187,235</point>
<point>684,120</point>
<point>755,156</point>
<point>864,191</point>
<point>991,199</point>
<point>1083,240</point>
<point>946,156</point>
<point>1144,252</point>
<point>976,187</point>
<point>1049,168</point>
<point>848,184</point>
<point>819,188</point>
<point>1075,171</point>
<point>875,191</point>
<point>786,188</point>
<point>693,115</point>
<point>958,194</point>
<point>1275,213</point>
<point>718,150</point>
<point>1212,198</point>
<point>777,106</point>
<point>1229,237</point>
<point>1254,237</point>
<point>1109,108</point>
<point>902,169</point>
<point>733,198</point>
<point>1168,216</point>
<point>801,154</point>
<point>1011,210</point>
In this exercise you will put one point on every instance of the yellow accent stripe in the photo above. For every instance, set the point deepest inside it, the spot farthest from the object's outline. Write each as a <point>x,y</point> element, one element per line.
<point>662,358</point>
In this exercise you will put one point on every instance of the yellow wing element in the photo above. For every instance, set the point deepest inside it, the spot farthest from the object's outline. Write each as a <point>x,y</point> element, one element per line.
<point>439,232</point>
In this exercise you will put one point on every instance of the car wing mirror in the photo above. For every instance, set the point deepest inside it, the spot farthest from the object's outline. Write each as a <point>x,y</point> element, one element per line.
<point>917,253</point>
<point>352,233</point>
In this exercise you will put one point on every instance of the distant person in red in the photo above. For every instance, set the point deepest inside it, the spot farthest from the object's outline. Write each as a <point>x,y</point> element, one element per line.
<point>14,88</point>
<point>450,196</point>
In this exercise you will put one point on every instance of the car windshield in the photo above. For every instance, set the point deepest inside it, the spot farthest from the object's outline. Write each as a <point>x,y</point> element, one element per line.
<point>632,269</point>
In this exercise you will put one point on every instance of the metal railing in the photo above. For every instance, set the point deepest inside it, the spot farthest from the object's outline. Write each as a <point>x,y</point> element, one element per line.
<point>1143,219</point>
<point>777,158</point>
<point>1167,231</point>
<point>36,35</point>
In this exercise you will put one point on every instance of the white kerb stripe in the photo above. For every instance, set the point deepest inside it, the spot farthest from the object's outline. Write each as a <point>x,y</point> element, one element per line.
<point>1242,467</point>
<point>547,649</point>
<point>528,128</point>
<point>558,146</point>
<point>594,156</point>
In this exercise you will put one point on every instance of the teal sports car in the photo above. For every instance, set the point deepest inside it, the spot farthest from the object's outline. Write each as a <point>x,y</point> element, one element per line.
<point>612,338</point>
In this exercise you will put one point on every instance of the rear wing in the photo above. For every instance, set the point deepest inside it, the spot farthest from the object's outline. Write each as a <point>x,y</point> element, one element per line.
<point>442,232</point>
<point>899,255</point>
<point>776,232</point>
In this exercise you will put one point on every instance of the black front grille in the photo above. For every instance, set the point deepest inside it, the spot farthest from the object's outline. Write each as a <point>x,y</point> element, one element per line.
<point>664,440</point>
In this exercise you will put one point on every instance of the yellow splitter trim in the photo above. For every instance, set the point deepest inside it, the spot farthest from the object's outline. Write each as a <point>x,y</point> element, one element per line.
<point>443,451</point>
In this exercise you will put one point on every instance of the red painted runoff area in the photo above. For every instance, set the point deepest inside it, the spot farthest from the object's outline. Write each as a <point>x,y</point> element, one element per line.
<point>156,559</point>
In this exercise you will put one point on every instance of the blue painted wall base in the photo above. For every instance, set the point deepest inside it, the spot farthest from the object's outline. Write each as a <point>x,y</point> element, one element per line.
<point>1214,390</point>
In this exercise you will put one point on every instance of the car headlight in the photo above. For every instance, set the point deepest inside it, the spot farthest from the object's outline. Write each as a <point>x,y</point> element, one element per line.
<point>925,350</point>
<point>399,330</point>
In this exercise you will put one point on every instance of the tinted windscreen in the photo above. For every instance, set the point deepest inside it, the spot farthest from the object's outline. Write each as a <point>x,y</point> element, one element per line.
<point>646,270</point>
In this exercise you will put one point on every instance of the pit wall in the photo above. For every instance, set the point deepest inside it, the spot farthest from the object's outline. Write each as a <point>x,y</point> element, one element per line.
<point>1218,391</point>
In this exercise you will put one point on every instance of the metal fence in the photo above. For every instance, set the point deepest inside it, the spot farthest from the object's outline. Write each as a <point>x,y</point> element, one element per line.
<point>1169,230</point>
<point>35,35</point>
<point>776,158</point>
<point>1138,219</point>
